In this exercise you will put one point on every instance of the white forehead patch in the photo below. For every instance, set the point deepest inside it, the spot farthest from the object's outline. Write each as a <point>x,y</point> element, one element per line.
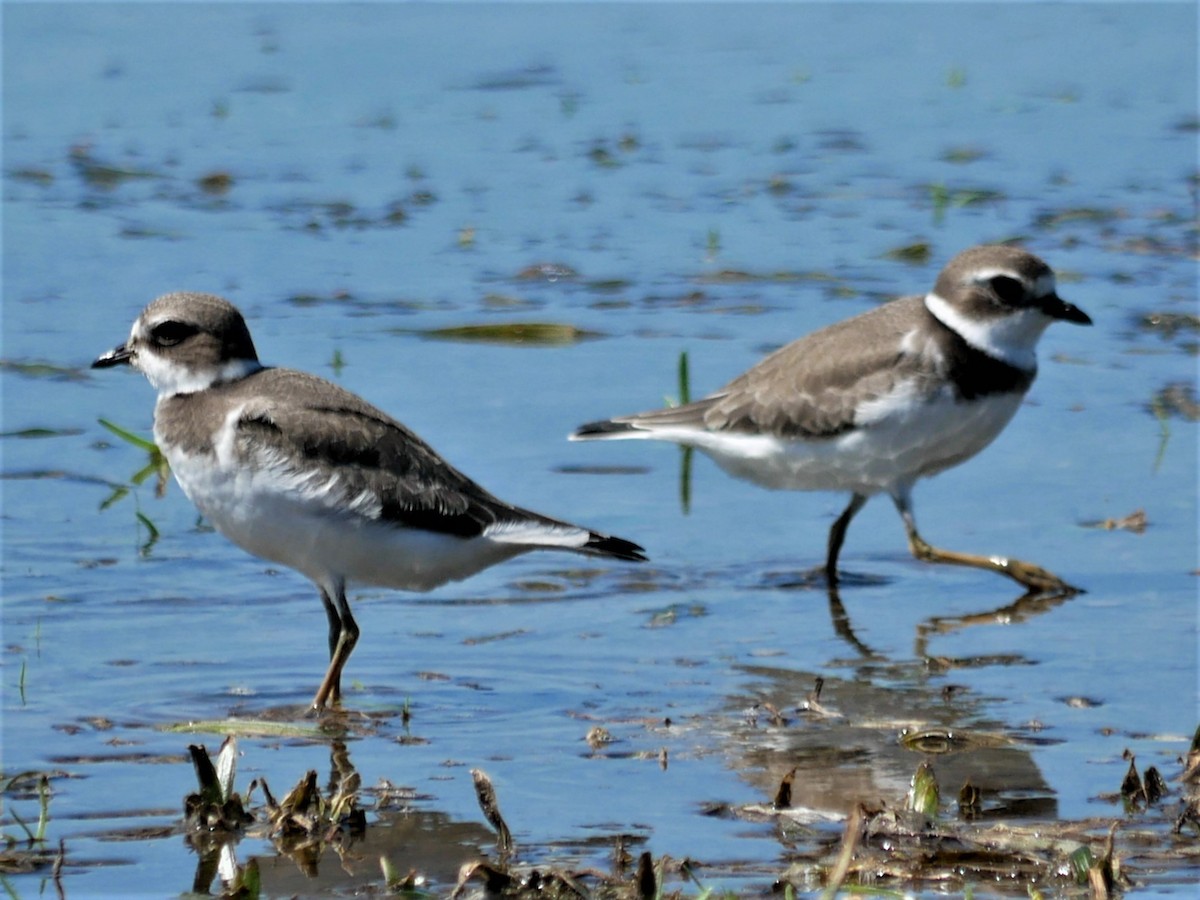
<point>1043,286</point>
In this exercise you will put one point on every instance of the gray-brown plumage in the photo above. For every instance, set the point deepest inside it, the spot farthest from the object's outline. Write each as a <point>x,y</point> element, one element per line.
<point>299,471</point>
<point>803,391</point>
<point>875,402</point>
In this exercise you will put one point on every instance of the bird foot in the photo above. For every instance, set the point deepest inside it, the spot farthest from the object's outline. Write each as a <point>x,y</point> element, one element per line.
<point>1035,578</point>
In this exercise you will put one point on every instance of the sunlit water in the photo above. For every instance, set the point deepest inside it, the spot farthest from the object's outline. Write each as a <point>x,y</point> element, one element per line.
<point>653,150</point>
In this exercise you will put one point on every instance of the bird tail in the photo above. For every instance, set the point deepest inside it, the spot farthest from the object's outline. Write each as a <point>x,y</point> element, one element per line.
<point>604,429</point>
<point>617,548</point>
<point>654,424</point>
<point>550,534</point>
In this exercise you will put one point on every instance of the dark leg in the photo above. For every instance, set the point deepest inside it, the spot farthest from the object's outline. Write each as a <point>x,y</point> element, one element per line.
<point>343,635</point>
<point>837,534</point>
<point>335,622</point>
<point>842,625</point>
<point>1032,578</point>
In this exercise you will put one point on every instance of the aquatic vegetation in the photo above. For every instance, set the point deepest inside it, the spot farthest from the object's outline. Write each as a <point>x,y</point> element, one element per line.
<point>507,174</point>
<point>104,175</point>
<point>32,852</point>
<point>516,333</point>
<point>917,253</point>
<point>156,466</point>
<point>42,369</point>
<point>945,198</point>
<point>216,183</point>
<point>547,271</point>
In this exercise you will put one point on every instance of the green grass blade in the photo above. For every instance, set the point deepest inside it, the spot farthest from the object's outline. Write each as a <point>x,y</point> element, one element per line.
<point>130,437</point>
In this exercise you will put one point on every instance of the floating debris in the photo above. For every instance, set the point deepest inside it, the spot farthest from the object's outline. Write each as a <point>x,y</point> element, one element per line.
<point>943,198</point>
<point>812,703</point>
<point>881,845</point>
<point>1176,399</point>
<point>215,183</point>
<point>942,740</point>
<point>970,799</point>
<point>35,433</point>
<point>1191,769</point>
<point>961,155</point>
<point>1168,325</point>
<point>645,879</point>
<point>551,272</point>
<point>544,334</point>
<point>1080,702</point>
<point>519,79</point>
<point>841,140</point>
<point>1136,522</point>
<point>316,215</point>
<point>783,795</point>
<point>775,718</point>
<point>601,470</point>
<point>1088,215</point>
<point>486,794</point>
<point>42,369</point>
<point>918,253</point>
<point>260,728</point>
<point>101,174</point>
<point>412,884</point>
<point>742,276</point>
<point>598,736</point>
<point>215,808</point>
<point>1137,790</point>
<point>40,177</point>
<point>924,796</point>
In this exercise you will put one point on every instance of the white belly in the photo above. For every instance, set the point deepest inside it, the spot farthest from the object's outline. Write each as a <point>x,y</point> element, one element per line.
<point>272,518</point>
<point>904,443</point>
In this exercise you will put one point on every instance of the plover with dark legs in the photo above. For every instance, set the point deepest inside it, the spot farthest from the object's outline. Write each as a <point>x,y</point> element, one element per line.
<point>298,471</point>
<point>873,403</point>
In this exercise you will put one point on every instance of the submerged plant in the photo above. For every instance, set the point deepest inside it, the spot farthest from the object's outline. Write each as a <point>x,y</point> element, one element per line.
<point>156,466</point>
<point>30,852</point>
<point>685,453</point>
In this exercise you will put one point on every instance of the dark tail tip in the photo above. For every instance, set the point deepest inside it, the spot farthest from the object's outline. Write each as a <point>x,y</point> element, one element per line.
<point>600,429</point>
<point>617,548</point>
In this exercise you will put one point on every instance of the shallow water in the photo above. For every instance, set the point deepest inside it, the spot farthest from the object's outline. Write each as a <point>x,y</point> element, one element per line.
<point>713,179</point>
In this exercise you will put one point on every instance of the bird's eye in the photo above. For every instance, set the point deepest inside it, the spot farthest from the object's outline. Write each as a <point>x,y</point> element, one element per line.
<point>170,333</point>
<point>1009,290</point>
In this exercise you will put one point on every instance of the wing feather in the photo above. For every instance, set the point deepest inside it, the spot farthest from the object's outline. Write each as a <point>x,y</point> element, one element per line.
<point>805,389</point>
<point>361,453</point>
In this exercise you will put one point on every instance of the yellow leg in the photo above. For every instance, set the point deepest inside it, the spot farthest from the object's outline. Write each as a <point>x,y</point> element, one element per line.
<point>1033,578</point>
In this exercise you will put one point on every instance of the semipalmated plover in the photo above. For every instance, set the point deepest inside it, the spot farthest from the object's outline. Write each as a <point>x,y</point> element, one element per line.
<point>296,470</point>
<point>875,402</point>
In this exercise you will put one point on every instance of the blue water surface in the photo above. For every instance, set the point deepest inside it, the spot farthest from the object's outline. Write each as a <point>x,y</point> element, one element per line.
<point>709,178</point>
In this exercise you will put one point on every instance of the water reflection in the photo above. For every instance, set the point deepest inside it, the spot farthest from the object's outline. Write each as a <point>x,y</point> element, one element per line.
<point>867,738</point>
<point>827,744</point>
<point>1023,608</point>
<point>323,840</point>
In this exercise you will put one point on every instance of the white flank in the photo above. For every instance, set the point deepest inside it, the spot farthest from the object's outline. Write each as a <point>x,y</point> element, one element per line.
<point>537,534</point>
<point>302,520</point>
<point>275,508</point>
<point>900,437</point>
<point>906,440</point>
